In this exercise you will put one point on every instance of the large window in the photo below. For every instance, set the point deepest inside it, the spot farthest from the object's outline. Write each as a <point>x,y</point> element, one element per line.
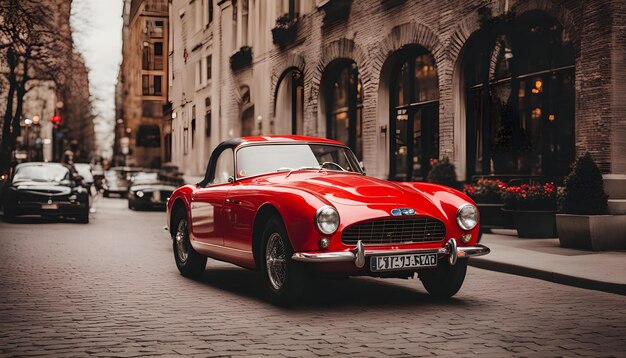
<point>151,85</point>
<point>248,123</point>
<point>207,117</point>
<point>414,125</point>
<point>149,136</point>
<point>290,103</point>
<point>344,105</point>
<point>520,99</point>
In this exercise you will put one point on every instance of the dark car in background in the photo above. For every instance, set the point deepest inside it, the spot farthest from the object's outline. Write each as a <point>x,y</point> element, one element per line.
<point>148,191</point>
<point>114,183</point>
<point>45,189</point>
<point>117,180</point>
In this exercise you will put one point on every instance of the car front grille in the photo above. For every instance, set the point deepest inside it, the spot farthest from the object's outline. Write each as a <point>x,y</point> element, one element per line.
<point>395,231</point>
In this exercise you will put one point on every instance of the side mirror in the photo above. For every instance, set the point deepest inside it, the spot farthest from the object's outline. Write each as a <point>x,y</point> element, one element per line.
<point>231,179</point>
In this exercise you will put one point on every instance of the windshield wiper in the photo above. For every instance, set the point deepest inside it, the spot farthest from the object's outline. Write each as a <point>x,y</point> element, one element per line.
<point>301,168</point>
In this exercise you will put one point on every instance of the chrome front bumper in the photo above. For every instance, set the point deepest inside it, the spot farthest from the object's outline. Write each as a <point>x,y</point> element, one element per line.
<point>450,250</point>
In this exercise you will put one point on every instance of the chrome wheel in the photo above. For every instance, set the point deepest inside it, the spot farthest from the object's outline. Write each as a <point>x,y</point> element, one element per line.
<point>275,261</point>
<point>182,241</point>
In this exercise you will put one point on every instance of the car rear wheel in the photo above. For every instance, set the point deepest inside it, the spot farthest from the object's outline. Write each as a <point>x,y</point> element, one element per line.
<point>446,280</point>
<point>284,278</point>
<point>190,263</point>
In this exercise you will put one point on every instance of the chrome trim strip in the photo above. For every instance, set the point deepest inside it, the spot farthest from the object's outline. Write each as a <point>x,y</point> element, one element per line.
<point>359,261</point>
<point>454,252</point>
<point>359,254</point>
<point>323,257</point>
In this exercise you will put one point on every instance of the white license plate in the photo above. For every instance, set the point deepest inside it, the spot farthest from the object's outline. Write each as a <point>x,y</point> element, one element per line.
<point>401,262</point>
<point>156,196</point>
<point>49,206</point>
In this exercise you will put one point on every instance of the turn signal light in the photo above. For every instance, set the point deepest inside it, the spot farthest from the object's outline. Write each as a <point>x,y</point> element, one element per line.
<point>324,243</point>
<point>465,238</point>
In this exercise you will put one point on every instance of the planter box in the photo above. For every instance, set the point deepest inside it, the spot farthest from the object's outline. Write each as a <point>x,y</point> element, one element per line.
<point>241,58</point>
<point>492,216</point>
<point>534,224</point>
<point>335,9</point>
<point>283,36</point>
<point>592,232</point>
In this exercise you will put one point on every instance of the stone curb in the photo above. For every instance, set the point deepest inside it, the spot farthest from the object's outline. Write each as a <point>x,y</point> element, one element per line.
<point>579,282</point>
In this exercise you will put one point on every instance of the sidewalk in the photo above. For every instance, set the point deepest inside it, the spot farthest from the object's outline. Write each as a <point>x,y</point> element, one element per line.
<point>546,260</point>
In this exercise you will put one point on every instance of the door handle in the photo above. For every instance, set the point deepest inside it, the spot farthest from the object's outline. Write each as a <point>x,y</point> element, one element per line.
<point>233,201</point>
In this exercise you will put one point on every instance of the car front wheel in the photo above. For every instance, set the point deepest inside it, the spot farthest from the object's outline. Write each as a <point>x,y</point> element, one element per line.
<point>190,263</point>
<point>83,217</point>
<point>284,279</point>
<point>446,280</point>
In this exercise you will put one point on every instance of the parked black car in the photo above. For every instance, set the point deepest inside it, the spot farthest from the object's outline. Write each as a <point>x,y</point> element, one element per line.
<point>46,189</point>
<point>147,191</point>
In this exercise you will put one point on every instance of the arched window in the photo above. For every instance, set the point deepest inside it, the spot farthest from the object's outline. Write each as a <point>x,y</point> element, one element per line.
<point>414,125</point>
<point>520,99</point>
<point>289,108</point>
<point>344,105</point>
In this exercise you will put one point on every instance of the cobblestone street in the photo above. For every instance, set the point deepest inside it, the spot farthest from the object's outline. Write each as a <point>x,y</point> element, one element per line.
<point>111,288</point>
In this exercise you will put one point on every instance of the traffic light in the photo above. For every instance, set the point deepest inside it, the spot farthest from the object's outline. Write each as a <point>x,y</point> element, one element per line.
<point>56,120</point>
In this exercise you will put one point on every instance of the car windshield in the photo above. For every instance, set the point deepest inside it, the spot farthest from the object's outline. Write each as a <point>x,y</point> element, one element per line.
<point>42,173</point>
<point>270,158</point>
<point>145,178</point>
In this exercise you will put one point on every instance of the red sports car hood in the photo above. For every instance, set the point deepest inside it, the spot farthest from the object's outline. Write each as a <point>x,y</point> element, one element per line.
<point>359,190</point>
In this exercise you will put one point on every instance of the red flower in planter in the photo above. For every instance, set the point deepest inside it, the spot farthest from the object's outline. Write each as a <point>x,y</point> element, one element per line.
<point>486,191</point>
<point>530,197</point>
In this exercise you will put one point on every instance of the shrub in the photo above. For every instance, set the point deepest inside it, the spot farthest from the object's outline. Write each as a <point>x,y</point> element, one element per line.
<point>486,191</point>
<point>530,197</point>
<point>442,172</point>
<point>584,193</point>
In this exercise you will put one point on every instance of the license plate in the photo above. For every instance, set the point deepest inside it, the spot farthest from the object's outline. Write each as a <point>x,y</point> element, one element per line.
<point>156,196</point>
<point>49,206</point>
<point>401,262</point>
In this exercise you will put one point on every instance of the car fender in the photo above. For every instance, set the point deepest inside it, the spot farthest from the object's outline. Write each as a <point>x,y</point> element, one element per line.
<point>180,196</point>
<point>297,209</point>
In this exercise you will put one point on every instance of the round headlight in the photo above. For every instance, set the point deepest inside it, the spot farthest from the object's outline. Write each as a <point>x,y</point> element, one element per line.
<point>467,217</point>
<point>139,194</point>
<point>327,220</point>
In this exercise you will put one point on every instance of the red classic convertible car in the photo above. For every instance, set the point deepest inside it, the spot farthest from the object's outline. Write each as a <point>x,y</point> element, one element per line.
<point>291,206</point>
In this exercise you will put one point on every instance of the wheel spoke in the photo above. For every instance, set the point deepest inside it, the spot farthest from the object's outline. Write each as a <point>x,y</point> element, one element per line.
<point>275,261</point>
<point>182,241</point>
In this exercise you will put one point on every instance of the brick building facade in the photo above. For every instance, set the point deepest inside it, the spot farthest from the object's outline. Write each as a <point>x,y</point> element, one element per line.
<point>142,85</point>
<point>507,87</point>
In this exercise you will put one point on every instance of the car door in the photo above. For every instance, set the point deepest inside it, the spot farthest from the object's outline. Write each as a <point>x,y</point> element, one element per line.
<point>240,210</point>
<point>209,222</point>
